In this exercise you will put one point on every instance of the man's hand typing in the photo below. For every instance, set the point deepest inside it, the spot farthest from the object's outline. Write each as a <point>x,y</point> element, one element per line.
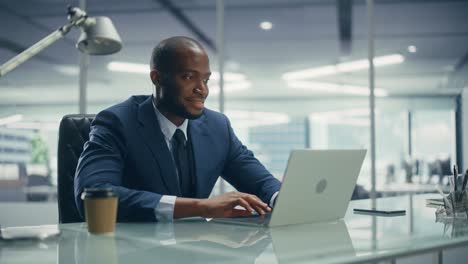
<point>225,205</point>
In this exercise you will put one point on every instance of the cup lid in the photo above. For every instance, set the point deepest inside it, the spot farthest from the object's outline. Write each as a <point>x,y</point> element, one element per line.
<point>98,193</point>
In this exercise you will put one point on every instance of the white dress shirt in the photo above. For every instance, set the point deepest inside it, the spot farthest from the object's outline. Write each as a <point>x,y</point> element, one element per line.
<point>164,211</point>
<point>165,208</point>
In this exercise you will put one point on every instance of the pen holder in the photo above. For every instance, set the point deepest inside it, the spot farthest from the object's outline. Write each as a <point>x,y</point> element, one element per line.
<point>455,202</point>
<point>455,227</point>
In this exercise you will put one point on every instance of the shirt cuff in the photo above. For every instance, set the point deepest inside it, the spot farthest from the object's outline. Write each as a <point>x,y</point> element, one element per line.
<point>273,199</point>
<point>164,211</point>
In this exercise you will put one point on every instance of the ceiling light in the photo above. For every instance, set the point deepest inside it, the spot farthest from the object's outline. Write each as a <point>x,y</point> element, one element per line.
<point>388,60</point>
<point>234,81</point>
<point>10,119</point>
<point>350,66</point>
<point>228,76</point>
<point>412,49</point>
<point>120,66</point>
<point>230,86</point>
<point>69,70</point>
<point>266,25</point>
<point>336,88</point>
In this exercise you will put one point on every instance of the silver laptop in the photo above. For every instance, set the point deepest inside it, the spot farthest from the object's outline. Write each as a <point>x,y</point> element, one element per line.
<point>317,187</point>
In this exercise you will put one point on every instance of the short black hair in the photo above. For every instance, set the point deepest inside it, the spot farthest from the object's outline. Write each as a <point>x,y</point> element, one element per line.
<point>165,52</point>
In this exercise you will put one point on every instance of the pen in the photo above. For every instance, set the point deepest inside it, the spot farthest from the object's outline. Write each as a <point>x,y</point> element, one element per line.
<point>465,179</point>
<point>462,191</point>
<point>455,174</point>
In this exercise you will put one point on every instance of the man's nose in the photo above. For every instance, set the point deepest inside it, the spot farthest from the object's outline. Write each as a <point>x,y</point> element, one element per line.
<point>201,88</point>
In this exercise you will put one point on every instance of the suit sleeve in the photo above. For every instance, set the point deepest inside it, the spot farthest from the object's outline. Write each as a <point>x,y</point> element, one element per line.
<point>245,172</point>
<point>102,165</point>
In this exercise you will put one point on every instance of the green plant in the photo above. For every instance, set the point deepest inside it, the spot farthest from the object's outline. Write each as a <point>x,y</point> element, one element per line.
<point>39,150</point>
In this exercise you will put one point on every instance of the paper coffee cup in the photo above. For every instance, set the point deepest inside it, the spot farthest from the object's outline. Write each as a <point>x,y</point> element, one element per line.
<point>100,209</point>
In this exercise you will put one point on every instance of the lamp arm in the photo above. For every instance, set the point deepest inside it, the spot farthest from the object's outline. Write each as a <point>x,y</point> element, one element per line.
<point>76,18</point>
<point>36,48</point>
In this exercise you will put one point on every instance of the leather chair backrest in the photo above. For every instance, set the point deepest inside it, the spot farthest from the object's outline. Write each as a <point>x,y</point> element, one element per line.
<point>73,133</point>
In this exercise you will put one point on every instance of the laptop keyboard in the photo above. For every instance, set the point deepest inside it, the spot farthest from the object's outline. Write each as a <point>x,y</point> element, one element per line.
<point>247,220</point>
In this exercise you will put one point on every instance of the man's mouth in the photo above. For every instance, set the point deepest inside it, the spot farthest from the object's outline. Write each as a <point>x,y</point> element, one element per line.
<point>199,103</point>
<point>196,100</point>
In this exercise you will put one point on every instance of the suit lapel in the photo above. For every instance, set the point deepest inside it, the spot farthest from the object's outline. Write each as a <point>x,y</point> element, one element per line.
<point>151,132</point>
<point>199,140</point>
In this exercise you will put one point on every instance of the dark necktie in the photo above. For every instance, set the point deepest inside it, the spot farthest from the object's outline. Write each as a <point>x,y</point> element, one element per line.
<point>181,158</point>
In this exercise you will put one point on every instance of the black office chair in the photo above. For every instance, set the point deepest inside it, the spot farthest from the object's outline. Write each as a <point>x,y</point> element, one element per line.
<point>73,133</point>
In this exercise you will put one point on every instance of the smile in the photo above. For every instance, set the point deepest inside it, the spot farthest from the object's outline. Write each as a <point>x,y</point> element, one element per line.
<point>197,103</point>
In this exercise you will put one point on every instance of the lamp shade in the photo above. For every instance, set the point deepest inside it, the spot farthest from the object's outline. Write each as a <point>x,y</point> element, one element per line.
<point>99,37</point>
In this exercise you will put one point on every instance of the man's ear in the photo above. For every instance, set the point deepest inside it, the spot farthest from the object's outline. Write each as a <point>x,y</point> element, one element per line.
<point>154,75</point>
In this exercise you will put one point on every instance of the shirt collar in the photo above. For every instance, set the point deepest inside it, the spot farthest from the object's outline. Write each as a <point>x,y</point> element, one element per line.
<point>167,127</point>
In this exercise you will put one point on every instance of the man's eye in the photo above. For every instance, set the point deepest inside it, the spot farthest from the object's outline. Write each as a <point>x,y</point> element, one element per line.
<point>188,77</point>
<point>206,81</point>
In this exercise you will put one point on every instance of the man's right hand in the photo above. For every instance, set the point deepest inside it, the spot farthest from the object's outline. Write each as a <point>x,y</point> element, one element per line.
<point>224,205</point>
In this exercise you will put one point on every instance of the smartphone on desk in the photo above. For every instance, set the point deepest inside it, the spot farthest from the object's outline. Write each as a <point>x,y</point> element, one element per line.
<point>380,211</point>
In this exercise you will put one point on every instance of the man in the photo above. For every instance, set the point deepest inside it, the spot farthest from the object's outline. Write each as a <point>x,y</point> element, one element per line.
<point>163,154</point>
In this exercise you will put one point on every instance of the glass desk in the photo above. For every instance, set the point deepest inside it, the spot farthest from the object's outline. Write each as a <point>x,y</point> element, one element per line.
<point>359,238</point>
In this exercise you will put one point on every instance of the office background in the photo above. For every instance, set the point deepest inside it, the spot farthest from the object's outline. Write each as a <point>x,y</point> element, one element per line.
<point>274,108</point>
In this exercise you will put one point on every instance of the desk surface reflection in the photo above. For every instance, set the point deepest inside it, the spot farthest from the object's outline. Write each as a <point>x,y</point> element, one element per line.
<point>358,238</point>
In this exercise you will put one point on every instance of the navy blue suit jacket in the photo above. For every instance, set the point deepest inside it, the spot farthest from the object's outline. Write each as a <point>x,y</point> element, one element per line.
<point>128,152</point>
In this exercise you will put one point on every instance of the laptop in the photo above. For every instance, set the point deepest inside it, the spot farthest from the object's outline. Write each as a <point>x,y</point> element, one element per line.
<point>317,187</point>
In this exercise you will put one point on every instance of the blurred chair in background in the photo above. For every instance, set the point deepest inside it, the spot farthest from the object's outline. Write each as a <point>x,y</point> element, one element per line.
<point>13,179</point>
<point>38,188</point>
<point>439,168</point>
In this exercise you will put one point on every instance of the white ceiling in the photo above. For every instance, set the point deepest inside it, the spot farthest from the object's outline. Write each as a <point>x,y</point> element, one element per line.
<point>305,34</point>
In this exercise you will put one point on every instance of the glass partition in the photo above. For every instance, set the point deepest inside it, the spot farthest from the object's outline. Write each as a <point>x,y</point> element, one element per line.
<point>293,79</point>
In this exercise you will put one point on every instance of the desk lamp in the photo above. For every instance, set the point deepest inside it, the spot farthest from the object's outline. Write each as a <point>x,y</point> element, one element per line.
<point>98,37</point>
